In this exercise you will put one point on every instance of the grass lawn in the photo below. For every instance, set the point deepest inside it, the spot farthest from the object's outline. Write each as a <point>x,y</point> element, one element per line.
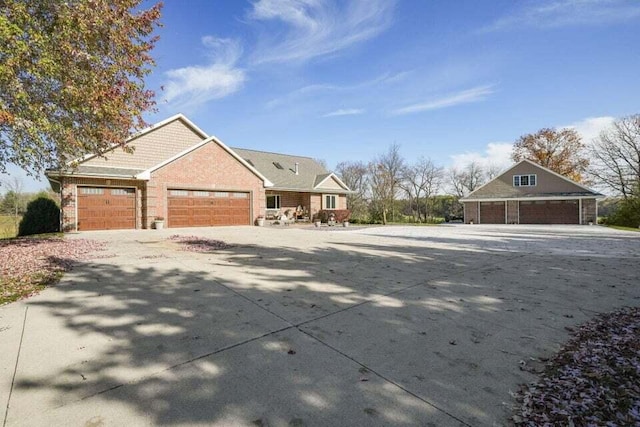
<point>7,227</point>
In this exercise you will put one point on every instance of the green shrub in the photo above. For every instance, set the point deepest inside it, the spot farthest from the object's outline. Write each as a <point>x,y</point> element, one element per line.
<point>42,216</point>
<point>627,214</point>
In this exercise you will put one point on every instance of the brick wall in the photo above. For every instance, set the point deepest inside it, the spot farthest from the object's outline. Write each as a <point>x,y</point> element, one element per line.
<point>312,202</point>
<point>589,212</point>
<point>471,212</point>
<point>209,167</point>
<point>512,212</point>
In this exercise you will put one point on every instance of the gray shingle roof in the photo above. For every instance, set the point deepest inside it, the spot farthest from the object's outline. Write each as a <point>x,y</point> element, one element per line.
<point>310,172</point>
<point>100,171</point>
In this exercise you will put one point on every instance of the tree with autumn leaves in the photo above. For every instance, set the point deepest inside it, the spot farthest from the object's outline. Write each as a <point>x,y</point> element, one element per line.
<point>562,151</point>
<point>72,77</point>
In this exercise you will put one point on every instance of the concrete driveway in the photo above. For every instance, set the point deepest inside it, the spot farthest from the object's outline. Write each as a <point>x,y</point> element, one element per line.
<point>300,327</point>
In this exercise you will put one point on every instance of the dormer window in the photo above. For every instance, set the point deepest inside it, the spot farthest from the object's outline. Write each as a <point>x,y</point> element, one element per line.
<point>524,180</point>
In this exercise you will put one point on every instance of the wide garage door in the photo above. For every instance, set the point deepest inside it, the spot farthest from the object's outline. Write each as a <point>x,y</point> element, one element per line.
<point>106,208</point>
<point>549,212</point>
<point>492,212</point>
<point>194,208</point>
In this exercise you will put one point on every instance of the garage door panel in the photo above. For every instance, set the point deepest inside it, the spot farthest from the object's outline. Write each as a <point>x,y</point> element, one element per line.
<point>103,208</point>
<point>549,212</point>
<point>492,213</point>
<point>200,208</point>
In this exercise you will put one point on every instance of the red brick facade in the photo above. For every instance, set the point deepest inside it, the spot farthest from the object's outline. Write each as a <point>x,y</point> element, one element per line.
<point>209,167</point>
<point>310,202</point>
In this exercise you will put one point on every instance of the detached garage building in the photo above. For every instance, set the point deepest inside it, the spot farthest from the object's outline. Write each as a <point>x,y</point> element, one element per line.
<point>528,193</point>
<point>179,173</point>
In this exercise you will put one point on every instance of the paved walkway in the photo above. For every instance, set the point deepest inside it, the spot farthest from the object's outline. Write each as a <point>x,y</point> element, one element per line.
<point>297,326</point>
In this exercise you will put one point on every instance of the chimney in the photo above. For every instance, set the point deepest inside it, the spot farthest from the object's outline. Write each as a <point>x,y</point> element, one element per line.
<point>296,169</point>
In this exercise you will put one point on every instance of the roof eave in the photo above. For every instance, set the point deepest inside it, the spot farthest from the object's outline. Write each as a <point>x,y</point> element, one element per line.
<point>520,198</point>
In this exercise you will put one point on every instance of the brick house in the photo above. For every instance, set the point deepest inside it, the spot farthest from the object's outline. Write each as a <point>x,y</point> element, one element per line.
<point>179,173</point>
<point>528,193</point>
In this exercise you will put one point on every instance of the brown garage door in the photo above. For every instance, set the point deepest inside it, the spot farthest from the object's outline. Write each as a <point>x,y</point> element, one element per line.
<point>191,208</point>
<point>549,212</point>
<point>492,213</point>
<point>104,208</point>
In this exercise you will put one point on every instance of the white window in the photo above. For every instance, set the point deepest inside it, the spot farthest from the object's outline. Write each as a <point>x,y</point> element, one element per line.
<point>524,180</point>
<point>121,191</point>
<point>240,195</point>
<point>201,194</point>
<point>92,190</point>
<point>330,201</point>
<point>222,194</point>
<point>273,201</point>
<point>178,192</point>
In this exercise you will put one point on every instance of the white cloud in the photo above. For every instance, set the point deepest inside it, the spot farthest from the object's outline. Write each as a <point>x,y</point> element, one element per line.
<point>345,112</point>
<point>591,127</point>
<point>318,27</point>
<point>497,155</point>
<point>563,13</point>
<point>195,85</point>
<point>464,97</point>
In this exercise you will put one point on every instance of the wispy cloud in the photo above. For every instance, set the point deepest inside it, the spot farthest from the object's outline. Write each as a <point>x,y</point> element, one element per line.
<point>563,13</point>
<point>464,97</point>
<point>319,89</point>
<point>317,27</point>
<point>195,85</point>
<point>345,112</point>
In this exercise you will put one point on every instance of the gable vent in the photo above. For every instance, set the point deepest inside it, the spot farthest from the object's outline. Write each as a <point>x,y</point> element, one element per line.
<point>277,165</point>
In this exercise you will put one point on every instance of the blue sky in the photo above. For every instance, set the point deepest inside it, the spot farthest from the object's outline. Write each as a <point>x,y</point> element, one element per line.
<point>342,80</point>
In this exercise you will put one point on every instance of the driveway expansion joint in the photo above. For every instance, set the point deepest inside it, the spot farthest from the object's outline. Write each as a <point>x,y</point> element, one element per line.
<point>382,377</point>
<point>15,367</point>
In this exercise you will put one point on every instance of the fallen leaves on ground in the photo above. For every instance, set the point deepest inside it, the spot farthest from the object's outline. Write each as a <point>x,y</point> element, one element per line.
<point>199,244</point>
<point>30,264</point>
<point>593,380</point>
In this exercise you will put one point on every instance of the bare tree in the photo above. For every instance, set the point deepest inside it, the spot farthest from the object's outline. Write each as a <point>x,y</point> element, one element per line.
<point>14,200</point>
<point>322,162</point>
<point>354,175</point>
<point>385,175</point>
<point>492,171</point>
<point>466,180</point>
<point>421,181</point>
<point>616,154</point>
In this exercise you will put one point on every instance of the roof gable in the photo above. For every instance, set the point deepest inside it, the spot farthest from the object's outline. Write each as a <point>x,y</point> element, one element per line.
<point>211,140</point>
<point>548,184</point>
<point>151,146</point>
<point>281,170</point>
